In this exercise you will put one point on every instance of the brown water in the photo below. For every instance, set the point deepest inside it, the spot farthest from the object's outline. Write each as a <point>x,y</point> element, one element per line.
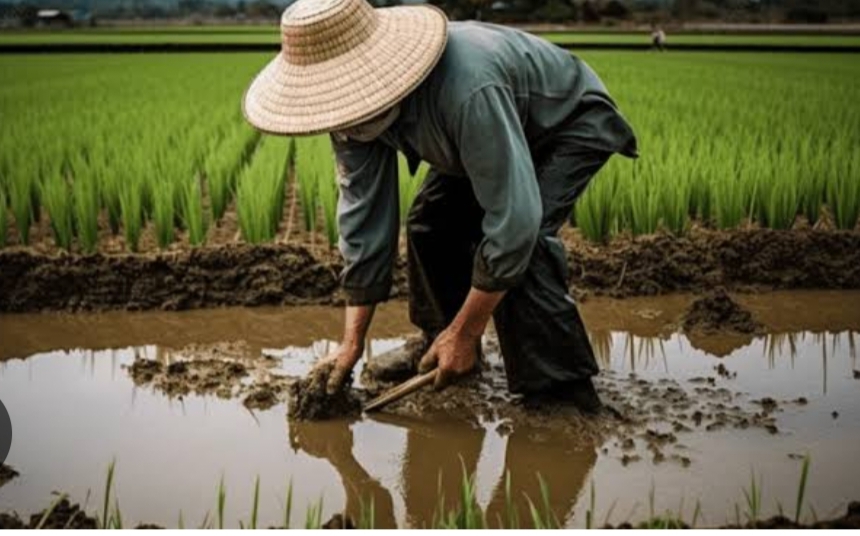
<point>74,409</point>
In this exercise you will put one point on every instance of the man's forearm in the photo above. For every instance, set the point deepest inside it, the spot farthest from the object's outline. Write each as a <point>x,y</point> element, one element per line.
<point>476,312</point>
<point>358,318</point>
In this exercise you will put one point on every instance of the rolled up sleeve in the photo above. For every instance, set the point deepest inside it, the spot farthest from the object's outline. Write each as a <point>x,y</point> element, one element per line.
<point>496,158</point>
<point>368,218</point>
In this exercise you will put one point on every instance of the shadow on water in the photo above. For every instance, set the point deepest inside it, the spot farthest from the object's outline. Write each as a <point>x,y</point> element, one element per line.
<point>74,408</point>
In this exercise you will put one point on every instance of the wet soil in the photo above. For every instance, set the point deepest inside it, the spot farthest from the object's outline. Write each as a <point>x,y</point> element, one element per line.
<point>6,474</point>
<point>716,312</point>
<point>64,515</point>
<point>281,274</point>
<point>309,400</point>
<point>226,370</point>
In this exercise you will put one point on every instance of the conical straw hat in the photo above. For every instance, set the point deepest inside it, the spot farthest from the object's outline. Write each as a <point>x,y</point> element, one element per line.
<point>341,63</point>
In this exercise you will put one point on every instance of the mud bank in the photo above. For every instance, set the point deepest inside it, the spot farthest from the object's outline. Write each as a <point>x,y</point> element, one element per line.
<point>740,260</point>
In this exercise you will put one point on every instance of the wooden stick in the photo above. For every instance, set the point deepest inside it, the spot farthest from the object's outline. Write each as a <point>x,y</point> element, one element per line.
<point>399,391</point>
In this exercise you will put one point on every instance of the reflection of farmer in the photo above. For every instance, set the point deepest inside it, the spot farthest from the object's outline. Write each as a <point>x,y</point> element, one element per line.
<point>658,38</point>
<point>514,128</point>
<point>332,441</point>
<point>435,460</point>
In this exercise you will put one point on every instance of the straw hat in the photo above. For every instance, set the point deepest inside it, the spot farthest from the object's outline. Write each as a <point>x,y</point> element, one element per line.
<point>341,63</point>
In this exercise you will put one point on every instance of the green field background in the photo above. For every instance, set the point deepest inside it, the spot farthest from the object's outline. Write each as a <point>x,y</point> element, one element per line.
<point>158,140</point>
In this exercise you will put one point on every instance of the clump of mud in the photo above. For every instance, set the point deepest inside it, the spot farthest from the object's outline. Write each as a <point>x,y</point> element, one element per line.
<point>717,312</point>
<point>6,473</point>
<point>64,516</point>
<point>309,400</point>
<point>225,370</point>
<point>180,378</point>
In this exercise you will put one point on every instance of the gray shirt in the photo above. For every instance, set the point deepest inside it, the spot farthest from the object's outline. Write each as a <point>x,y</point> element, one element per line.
<point>495,94</point>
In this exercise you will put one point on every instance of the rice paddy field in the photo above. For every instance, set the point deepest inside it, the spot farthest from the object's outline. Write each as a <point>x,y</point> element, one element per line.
<point>131,187</point>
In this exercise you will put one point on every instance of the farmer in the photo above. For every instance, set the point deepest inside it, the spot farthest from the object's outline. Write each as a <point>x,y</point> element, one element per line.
<point>513,128</point>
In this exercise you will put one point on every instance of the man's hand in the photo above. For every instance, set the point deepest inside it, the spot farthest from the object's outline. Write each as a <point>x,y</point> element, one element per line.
<point>455,350</point>
<point>344,358</point>
<point>453,353</point>
<point>357,322</point>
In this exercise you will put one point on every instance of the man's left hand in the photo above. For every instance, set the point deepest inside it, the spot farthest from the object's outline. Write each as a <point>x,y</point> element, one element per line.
<point>453,354</point>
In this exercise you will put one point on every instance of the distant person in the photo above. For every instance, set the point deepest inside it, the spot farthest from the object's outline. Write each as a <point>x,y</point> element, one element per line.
<point>513,127</point>
<point>658,38</point>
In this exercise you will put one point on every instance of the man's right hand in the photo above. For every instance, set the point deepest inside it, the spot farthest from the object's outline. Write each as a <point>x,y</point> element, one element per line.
<point>344,358</point>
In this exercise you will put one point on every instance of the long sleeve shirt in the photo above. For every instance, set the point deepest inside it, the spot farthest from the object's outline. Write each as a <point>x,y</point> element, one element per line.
<point>496,94</point>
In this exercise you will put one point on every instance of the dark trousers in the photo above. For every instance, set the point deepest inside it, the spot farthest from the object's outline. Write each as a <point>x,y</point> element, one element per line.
<point>542,338</point>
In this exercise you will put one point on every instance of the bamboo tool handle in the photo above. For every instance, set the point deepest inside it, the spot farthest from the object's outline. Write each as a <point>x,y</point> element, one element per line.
<point>399,391</point>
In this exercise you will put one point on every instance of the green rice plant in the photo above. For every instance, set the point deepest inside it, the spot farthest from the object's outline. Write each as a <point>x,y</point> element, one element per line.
<point>255,507</point>
<point>367,514</point>
<point>260,190</point>
<point>753,499</point>
<point>163,211</point>
<point>4,205</point>
<point>288,505</point>
<point>85,197</point>
<point>22,207</point>
<point>222,501</point>
<point>313,515</point>
<point>58,202</point>
<point>317,186</point>
<point>409,184</point>
<point>545,518</point>
<point>131,205</point>
<point>801,488</point>
<point>50,510</point>
<point>224,162</point>
<point>844,194</point>
<point>595,212</point>
<point>193,214</point>
<point>105,520</point>
<point>307,163</point>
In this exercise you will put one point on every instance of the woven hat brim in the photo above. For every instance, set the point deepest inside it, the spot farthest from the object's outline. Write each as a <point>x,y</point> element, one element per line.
<point>291,99</point>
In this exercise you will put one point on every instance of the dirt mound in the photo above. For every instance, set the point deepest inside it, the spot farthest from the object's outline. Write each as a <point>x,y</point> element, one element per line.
<point>717,312</point>
<point>64,516</point>
<point>309,400</point>
<point>240,274</point>
<point>6,474</point>
<point>204,277</point>
<point>743,259</point>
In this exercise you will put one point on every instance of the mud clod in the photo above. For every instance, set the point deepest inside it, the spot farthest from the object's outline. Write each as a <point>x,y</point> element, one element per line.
<point>309,400</point>
<point>6,474</point>
<point>180,378</point>
<point>717,312</point>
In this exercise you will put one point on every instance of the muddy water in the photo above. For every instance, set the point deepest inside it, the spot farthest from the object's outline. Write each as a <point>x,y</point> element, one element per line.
<point>74,408</point>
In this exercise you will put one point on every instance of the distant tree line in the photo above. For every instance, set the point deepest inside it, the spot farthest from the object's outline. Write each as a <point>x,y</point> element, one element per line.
<point>533,11</point>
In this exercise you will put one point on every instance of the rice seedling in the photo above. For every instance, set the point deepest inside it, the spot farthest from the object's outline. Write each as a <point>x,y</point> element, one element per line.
<point>58,202</point>
<point>164,211</point>
<point>22,208</point>
<point>801,488</point>
<point>409,184</point>
<point>260,190</point>
<point>222,501</point>
<point>131,205</point>
<point>193,215</point>
<point>85,197</point>
<point>317,186</point>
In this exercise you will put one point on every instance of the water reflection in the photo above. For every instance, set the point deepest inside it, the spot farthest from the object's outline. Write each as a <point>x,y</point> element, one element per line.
<point>437,455</point>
